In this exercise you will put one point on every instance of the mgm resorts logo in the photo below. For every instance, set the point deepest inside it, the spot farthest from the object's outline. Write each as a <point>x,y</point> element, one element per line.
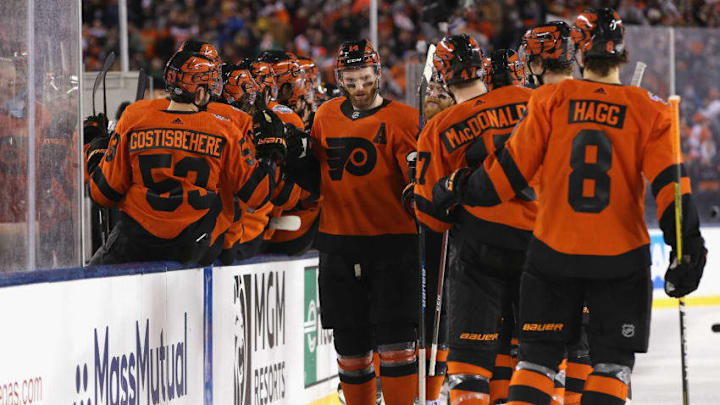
<point>258,327</point>
<point>155,371</point>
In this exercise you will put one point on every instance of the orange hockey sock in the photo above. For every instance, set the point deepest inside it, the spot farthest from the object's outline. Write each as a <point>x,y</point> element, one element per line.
<point>530,387</point>
<point>575,377</point>
<point>398,373</point>
<point>600,389</point>
<point>357,378</point>
<point>500,381</point>
<point>469,384</point>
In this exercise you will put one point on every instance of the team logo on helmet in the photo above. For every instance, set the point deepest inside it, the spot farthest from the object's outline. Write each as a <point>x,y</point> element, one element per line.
<point>186,71</point>
<point>205,48</point>
<point>458,58</point>
<point>599,33</point>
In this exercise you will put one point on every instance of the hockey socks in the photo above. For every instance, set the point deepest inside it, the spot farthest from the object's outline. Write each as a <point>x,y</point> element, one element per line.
<point>357,378</point>
<point>469,384</point>
<point>607,385</point>
<point>576,374</point>
<point>531,384</point>
<point>500,382</point>
<point>398,373</point>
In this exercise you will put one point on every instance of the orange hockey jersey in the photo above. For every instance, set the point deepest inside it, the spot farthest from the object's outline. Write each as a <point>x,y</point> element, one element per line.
<point>166,169</point>
<point>596,144</point>
<point>464,135</point>
<point>363,167</point>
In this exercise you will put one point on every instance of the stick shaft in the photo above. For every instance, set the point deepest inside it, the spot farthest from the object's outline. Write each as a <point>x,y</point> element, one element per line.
<point>675,104</point>
<point>438,302</point>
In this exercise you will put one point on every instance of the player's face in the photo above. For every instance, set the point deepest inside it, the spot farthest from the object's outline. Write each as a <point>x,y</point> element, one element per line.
<point>436,99</point>
<point>361,86</point>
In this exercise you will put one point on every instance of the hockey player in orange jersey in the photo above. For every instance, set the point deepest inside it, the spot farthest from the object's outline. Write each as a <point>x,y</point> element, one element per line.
<point>596,141</point>
<point>490,242</point>
<point>368,244</point>
<point>164,168</point>
<point>548,54</point>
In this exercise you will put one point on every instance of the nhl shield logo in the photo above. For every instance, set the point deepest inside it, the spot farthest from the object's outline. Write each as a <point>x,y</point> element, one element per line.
<point>628,330</point>
<point>355,115</point>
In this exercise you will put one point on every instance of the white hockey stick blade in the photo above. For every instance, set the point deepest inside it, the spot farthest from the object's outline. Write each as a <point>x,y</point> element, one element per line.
<point>427,70</point>
<point>285,223</point>
<point>638,74</point>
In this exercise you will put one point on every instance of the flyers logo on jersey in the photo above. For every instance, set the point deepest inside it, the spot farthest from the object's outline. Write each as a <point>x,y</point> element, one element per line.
<point>599,112</point>
<point>503,117</point>
<point>357,155</point>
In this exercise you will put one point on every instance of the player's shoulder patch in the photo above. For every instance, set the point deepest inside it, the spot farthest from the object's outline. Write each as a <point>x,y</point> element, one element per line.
<point>654,97</point>
<point>282,109</point>
<point>220,117</point>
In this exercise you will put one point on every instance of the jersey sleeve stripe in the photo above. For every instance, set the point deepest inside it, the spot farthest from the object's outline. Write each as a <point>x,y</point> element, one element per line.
<point>665,177</point>
<point>284,194</point>
<point>98,177</point>
<point>480,190</point>
<point>512,172</point>
<point>256,177</point>
<point>426,207</point>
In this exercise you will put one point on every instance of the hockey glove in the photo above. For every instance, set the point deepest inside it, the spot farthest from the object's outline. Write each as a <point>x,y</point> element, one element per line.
<point>408,198</point>
<point>95,151</point>
<point>269,135</point>
<point>448,191</point>
<point>94,126</point>
<point>297,142</point>
<point>684,278</point>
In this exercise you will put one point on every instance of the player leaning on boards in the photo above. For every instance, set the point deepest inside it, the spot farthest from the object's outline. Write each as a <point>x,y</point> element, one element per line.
<point>164,167</point>
<point>490,242</point>
<point>368,243</point>
<point>596,141</point>
<point>549,56</point>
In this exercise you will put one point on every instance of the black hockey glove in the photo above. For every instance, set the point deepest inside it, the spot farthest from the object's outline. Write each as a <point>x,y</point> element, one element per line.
<point>684,278</point>
<point>94,126</point>
<point>408,198</point>
<point>269,136</point>
<point>448,191</point>
<point>297,142</point>
<point>95,151</point>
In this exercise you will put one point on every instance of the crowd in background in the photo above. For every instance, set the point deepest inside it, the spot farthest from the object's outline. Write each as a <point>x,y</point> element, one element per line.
<point>314,28</point>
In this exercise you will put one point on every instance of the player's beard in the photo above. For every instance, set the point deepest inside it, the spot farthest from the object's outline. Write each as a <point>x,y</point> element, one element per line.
<point>363,99</point>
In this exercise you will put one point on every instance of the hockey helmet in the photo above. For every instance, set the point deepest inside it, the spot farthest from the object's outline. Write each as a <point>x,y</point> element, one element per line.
<point>504,68</point>
<point>458,58</point>
<point>599,33</point>
<point>187,71</point>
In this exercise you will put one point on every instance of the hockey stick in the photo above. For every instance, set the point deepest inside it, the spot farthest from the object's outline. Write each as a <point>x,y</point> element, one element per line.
<point>109,60</point>
<point>103,213</point>
<point>438,304</point>
<point>285,223</point>
<point>141,85</point>
<point>675,103</point>
<point>638,74</point>
<point>422,372</point>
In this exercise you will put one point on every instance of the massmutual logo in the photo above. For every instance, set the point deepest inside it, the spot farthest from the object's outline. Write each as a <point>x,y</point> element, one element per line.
<point>258,333</point>
<point>315,338</point>
<point>152,370</point>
